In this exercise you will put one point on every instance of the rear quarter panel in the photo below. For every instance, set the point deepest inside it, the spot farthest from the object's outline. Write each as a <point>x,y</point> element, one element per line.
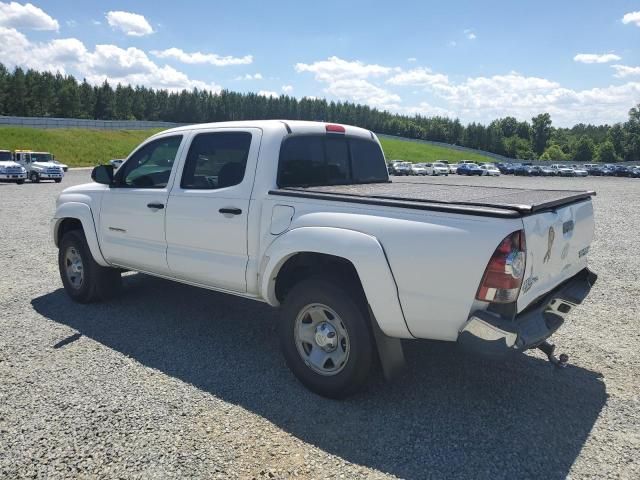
<point>437,259</point>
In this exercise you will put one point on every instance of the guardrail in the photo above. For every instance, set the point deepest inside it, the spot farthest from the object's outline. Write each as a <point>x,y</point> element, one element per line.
<point>50,122</point>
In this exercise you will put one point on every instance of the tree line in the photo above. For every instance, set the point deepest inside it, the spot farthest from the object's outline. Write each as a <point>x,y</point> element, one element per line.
<point>45,94</point>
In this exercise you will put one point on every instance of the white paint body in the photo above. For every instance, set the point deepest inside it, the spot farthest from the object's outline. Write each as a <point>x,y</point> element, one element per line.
<point>420,270</point>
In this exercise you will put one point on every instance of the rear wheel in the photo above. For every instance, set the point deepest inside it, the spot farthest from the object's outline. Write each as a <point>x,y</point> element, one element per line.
<point>325,337</point>
<point>85,280</point>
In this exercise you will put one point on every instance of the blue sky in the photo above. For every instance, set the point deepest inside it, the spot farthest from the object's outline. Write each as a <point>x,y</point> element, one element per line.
<point>578,60</point>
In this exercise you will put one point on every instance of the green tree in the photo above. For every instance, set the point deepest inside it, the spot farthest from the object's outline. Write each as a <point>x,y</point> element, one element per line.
<point>554,153</point>
<point>607,153</point>
<point>541,132</point>
<point>516,147</point>
<point>584,150</point>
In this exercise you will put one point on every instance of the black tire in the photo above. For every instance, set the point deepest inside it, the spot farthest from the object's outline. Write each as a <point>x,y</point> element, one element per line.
<point>19,182</point>
<point>348,303</point>
<point>98,283</point>
<point>57,180</point>
<point>34,177</point>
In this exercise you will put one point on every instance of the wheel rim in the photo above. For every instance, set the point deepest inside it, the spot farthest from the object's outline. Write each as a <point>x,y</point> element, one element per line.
<point>322,339</point>
<point>74,268</point>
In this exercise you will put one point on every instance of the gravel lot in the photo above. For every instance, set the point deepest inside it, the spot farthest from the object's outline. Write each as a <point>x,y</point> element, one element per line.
<point>173,381</point>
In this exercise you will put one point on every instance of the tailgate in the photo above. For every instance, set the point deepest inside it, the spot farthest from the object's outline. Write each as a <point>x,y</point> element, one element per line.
<point>557,245</point>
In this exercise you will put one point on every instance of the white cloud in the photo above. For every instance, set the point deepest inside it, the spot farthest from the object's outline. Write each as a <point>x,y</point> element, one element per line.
<point>596,57</point>
<point>349,80</point>
<point>105,62</point>
<point>632,17</point>
<point>469,34</point>
<point>335,68</point>
<point>412,59</point>
<point>453,43</point>
<point>71,23</point>
<point>132,24</point>
<point>417,77</point>
<point>249,76</point>
<point>27,16</point>
<point>268,93</point>
<point>625,71</point>
<point>96,22</point>
<point>287,89</point>
<point>198,57</point>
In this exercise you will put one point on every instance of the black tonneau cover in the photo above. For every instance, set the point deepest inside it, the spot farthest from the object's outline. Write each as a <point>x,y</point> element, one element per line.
<point>472,199</point>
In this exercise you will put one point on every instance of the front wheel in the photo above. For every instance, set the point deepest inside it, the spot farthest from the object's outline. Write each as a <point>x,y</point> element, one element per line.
<point>20,182</point>
<point>58,180</point>
<point>84,280</point>
<point>34,177</point>
<point>326,338</point>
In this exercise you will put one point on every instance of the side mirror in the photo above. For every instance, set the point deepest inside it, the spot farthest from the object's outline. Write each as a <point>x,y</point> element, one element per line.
<point>102,174</point>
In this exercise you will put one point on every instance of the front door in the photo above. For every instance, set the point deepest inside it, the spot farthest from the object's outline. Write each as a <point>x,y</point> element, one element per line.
<point>208,209</point>
<point>133,210</point>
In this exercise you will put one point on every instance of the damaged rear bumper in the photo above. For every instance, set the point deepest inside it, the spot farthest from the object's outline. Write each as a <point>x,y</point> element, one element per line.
<point>489,333</point>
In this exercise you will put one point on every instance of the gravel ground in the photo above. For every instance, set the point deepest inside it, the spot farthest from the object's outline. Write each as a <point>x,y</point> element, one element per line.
<point>170,381</point>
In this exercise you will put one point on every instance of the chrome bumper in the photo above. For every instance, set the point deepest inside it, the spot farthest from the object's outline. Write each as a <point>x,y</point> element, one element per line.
<point>489,333</point>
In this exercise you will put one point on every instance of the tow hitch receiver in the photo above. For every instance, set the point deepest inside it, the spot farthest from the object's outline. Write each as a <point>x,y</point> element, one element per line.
<point>548,349</point>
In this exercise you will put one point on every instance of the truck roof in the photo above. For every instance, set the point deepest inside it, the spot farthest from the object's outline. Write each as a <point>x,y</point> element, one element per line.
<point>288,126</point>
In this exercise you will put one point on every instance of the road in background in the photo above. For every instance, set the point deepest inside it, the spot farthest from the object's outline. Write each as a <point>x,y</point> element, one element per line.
<point>173,381</point>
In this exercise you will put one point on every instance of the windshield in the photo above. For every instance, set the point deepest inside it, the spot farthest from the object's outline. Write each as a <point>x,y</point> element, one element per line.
<point>441,165</point>
<point>5,156</point>
<point>41,157</point>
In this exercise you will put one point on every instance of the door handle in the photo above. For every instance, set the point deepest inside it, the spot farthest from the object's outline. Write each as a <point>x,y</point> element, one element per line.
<point>158,206</point>
<point>231,211</point>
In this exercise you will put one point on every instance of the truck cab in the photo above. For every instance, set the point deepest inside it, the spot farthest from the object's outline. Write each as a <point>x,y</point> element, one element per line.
<point>10,171</point>
<point>39,166</point>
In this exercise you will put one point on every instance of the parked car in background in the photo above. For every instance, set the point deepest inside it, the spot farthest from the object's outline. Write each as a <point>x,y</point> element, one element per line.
<point>593,169</point>
<point>523,170</point>
<point>635,172</point>
<point>401,167</point>
<point>562,170</point>
<point>11,171</point>
<point>63,166</point>
<point>418,169</point>
<point>579,171</point>
<point>505,168</point>
<point>545,171</point>
<point>621,171</point>
<point>116,162</point>
<point>437,168</point>
<point>488,169</point>
<point>453,168</point>
<point>469,169</point>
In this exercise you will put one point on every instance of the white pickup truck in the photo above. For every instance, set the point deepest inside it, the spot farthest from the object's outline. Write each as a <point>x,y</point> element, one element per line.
<point>302,216</point>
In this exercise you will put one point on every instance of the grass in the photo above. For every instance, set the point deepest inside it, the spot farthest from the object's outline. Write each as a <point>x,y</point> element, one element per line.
<point>78,147</point>
<point>424,152</point>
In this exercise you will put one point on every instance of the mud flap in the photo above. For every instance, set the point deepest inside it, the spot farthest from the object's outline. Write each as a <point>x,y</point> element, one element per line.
<point>390,351</point>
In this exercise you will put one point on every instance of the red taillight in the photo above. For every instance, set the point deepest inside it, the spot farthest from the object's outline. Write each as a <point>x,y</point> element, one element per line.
<point>503,276</point>
<point>333,128</point>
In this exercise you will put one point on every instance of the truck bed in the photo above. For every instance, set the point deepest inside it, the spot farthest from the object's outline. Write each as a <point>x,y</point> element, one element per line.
<point>472,199</point>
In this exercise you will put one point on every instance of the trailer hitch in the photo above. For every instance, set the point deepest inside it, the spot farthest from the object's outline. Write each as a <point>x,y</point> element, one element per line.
<point>548,349</point>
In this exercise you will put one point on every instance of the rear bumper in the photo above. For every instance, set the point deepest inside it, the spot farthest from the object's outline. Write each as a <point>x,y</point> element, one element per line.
<point>491,334</point>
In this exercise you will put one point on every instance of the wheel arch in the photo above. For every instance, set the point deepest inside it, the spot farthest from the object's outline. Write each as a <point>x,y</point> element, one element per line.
<point>73,216</point>
<point>356,254</point>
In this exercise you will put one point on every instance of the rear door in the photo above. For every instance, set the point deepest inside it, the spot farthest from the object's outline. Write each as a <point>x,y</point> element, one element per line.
<point>208,208</point>
<point>557,245</point>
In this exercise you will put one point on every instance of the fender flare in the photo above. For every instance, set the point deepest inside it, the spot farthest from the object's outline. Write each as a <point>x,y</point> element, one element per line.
<point>81,212</point>
<point>362,250</point>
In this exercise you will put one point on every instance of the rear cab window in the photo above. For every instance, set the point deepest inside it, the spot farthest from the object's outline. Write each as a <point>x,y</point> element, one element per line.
<point>314,160</point>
